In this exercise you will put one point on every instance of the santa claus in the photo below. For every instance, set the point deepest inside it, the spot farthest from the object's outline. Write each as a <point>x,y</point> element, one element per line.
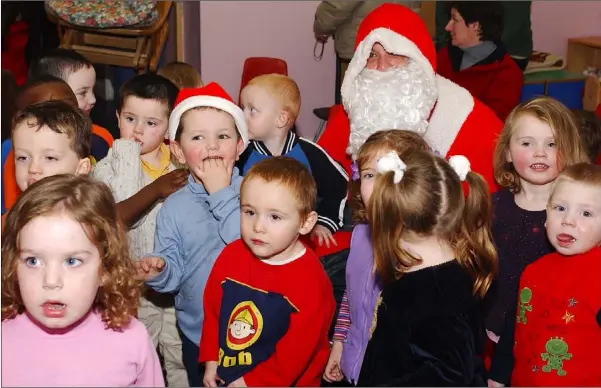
<point>391,82</point>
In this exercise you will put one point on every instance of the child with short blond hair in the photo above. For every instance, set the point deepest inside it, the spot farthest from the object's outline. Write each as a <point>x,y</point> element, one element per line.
<point>208,133</point>
<point>268,302</point>
<point>271,104</point>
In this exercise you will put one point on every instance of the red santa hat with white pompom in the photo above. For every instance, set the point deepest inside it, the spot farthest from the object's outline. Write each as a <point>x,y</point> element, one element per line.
<point>211,95</point>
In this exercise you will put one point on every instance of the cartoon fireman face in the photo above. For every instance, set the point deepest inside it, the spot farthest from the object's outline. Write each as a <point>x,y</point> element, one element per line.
<point>242,325</point>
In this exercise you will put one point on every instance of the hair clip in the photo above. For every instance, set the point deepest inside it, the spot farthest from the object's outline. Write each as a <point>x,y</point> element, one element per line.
<point>355,170</point>
<point>391,162</point>
<point>461,165</point>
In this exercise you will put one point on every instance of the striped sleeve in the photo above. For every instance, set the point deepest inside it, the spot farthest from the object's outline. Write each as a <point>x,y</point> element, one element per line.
<point>343,321</point>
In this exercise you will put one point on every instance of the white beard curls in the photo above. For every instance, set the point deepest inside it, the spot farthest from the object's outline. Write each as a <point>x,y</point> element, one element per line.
<point>398,98</point>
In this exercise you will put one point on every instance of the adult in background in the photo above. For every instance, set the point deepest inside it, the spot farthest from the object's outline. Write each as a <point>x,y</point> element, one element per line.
<point>476,58</point>
<point>391,82</point>
<point>341,19</point>
<point>517,29</point>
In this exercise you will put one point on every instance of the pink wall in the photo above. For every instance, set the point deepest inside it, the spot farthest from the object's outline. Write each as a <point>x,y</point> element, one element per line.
<point>232,31</point>
<point>553,22</point>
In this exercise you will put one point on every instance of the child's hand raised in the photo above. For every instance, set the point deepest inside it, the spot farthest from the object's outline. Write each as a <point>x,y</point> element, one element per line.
<point>323,235</point>
<point>210,378</point>
<point>149,267</point>
<point>215,174</point>
<point>170,182</point>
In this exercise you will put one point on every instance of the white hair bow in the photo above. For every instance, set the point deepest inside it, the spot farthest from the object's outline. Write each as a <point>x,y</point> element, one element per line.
<point>461,165</point>
<point>391,162</point>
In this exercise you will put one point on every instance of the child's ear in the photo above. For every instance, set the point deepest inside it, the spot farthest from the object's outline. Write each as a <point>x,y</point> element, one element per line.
<point>118,119</point>
<point>177,151</point>
<point>84,166</point>
<point>239,147</point>
<point>508,156</point>
<point>282,120</point>
<point>308,224</point>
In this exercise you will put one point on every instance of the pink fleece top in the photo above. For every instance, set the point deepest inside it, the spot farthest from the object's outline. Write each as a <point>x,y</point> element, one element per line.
<point>87,355</point>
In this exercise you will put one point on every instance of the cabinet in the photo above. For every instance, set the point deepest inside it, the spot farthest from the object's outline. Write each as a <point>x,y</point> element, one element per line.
<point>563,85</point>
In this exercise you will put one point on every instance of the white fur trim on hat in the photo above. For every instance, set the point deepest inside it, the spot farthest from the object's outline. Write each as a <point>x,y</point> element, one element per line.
<point>393,43</point>
<point>208,101</point>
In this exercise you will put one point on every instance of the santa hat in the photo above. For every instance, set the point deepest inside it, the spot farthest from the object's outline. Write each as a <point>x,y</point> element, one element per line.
<point>400,31</point>
<point>211,95</point>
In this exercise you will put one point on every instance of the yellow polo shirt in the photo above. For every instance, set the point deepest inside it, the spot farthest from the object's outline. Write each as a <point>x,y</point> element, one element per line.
<point>156,172</point>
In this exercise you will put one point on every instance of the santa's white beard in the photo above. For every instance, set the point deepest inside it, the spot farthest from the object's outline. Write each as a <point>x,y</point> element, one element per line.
<point>398,98</point>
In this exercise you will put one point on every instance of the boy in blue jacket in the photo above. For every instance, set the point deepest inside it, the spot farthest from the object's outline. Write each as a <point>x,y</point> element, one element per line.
<point>207,132</point>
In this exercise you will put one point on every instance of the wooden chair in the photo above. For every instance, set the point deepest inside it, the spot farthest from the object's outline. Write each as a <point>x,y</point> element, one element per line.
<point>139,48</point>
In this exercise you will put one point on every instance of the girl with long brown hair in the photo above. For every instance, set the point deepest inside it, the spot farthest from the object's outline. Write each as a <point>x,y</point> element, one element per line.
<point>351,332</point>
<point>434,255</point>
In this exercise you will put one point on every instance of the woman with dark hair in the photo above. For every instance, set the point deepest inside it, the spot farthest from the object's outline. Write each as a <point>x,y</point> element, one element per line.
<point>476,58</point>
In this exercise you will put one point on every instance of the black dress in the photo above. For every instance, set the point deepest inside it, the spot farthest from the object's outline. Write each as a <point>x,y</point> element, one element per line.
<point>429,330</point>
<point>520,238</point>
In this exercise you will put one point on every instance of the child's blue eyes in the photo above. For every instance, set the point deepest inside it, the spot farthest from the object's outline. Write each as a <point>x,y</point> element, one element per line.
<point>70,262</point>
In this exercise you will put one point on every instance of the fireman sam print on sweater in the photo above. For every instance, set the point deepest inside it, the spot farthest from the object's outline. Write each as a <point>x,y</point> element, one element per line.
<point>251,322</point>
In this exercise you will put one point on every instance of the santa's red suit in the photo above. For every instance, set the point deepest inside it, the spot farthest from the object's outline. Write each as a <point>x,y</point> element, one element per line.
<point>457,124</point>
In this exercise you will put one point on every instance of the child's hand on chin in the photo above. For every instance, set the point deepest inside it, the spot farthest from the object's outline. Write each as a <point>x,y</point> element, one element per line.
<point>215,174</point>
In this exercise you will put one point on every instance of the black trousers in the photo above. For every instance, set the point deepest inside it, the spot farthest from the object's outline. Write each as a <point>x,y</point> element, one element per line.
<point>190,352</point>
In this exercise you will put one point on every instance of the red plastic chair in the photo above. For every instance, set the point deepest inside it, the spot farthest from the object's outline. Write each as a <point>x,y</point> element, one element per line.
<point>256,66</point>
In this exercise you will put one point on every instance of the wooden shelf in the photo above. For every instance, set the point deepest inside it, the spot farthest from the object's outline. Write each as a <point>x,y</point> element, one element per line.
<point>583,52</point>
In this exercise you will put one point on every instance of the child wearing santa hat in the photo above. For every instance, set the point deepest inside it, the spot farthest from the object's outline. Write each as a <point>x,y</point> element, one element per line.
<point>207,132</point>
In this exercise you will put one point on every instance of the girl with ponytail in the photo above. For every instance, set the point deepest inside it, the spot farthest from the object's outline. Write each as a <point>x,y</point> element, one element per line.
<point>434,255</point>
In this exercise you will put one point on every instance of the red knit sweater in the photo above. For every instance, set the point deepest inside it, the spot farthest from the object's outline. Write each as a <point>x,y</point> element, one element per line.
<point>496,81</point>
<point>557,332</point>
<point>301,353</point>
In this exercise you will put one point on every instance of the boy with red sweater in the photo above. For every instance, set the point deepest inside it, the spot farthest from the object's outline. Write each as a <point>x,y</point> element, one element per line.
<point>268,303</point>
<point>555,337</point>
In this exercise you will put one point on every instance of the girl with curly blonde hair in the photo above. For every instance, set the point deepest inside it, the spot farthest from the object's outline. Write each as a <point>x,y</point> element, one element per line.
<point>69,294</point>
<point>540,138</point>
